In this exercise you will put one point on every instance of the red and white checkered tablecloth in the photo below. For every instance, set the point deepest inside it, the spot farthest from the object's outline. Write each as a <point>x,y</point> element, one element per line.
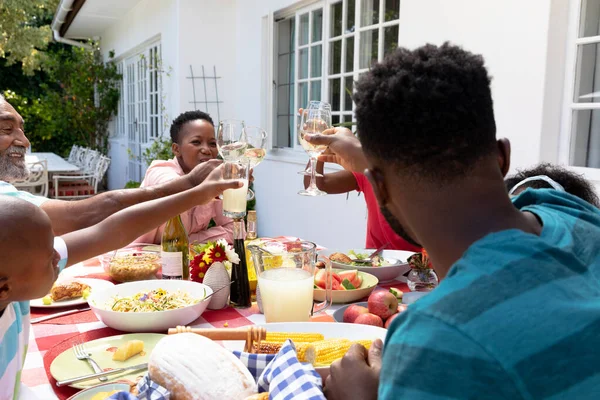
<point>46,335</point>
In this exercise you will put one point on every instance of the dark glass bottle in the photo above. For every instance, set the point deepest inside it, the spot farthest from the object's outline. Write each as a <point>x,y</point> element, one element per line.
<point>240,286</point>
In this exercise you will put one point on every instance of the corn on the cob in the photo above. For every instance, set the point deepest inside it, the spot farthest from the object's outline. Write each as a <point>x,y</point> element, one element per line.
<point>296,337</point>
<point>305,351</point>
<point>365,342</point>
<point>332,349</point>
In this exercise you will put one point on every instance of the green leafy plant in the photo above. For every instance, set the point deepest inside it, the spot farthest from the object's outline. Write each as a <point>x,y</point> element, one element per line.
<point>159,150</point>
<point>78,97</point>
<point>132,185</point>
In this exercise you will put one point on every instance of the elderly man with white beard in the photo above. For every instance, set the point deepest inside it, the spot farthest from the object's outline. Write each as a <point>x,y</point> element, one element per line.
<point>68,216</point>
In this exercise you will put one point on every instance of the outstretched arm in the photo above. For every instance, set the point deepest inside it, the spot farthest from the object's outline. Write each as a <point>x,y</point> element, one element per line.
<point>125,226</point>
<point>68,216</point>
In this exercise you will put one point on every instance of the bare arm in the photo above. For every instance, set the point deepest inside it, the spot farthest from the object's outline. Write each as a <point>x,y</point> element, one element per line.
<point>334,182</point>
<point>125,226</point>
<point>68,216</point>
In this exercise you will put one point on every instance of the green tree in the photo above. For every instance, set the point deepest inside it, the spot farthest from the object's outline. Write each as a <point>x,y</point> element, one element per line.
<point>78,96</point>
<point>25,32</point>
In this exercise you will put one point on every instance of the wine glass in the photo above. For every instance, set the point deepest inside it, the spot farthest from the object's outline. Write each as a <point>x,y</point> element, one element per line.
<point>231,140</point>
<point>313,121</point>
<point>232,143</point>
<point>313,104</point>
<point>256,139</point>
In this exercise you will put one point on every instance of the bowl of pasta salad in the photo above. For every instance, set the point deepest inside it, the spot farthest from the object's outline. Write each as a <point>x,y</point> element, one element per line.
<point>150,306</point>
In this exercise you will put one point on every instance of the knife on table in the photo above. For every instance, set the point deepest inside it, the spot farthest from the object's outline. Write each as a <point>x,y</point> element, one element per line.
<point>60,314</point>
<point>100,374</point>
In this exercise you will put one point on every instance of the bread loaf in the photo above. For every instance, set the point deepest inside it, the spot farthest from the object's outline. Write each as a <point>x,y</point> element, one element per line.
<point>193,367</point>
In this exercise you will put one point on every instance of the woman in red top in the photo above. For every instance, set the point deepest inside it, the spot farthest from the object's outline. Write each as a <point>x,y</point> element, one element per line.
<point>379,231</point>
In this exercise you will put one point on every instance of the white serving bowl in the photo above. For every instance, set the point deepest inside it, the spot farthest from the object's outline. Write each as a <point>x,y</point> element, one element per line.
<point>157,321</point>
<point>387,273</point>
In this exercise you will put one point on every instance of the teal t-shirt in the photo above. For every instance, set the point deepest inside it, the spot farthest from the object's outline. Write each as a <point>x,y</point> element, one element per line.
<point>517,317</point>
<point>9,190</point>
<point>15,321</point>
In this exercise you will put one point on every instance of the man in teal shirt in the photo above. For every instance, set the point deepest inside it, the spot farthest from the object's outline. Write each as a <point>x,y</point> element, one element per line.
<point>517,313</point>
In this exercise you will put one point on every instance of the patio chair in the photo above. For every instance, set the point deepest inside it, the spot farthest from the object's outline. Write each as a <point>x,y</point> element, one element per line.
<point>37,183</point>
<point>63,190</point>
<point>73,155</point>
<point>87,167</point>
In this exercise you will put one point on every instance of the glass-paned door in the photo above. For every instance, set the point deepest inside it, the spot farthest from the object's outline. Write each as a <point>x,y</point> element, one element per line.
<point>142,79</point>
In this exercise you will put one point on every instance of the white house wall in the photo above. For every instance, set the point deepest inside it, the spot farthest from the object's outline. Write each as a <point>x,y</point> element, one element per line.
<point>207,37</point>
<point>149,19</point>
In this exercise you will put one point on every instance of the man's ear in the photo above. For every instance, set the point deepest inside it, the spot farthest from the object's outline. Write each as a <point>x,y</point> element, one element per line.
<point>375,177</point>
<point>175,149</point>
<point>503,155</point>
<point>5,289</point>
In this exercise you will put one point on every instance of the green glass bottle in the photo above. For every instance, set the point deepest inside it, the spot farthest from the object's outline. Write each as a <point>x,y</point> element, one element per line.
<point>175,252</point>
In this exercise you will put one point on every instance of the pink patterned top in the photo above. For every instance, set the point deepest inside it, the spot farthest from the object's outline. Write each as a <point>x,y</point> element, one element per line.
<point>195,220</point>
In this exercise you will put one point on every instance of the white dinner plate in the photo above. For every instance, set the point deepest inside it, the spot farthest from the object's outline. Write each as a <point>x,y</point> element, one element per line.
<point>396,258</point>
<point>95,284</point>
<point>330,330</point>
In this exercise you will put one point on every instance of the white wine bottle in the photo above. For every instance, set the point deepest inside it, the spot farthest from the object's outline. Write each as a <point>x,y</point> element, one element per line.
<point>175,250</point>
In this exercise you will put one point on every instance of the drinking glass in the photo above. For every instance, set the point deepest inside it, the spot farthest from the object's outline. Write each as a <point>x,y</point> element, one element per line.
<point>286,274</point>
<point>313,121</point>
<point>234,200</point>
<point>231,140</point>
<point>256,138</point>
<point>313,104</point>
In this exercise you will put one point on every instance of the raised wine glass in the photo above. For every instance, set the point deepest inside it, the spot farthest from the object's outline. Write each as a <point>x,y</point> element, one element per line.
<point>231,140</point>
<point>313,121</point>
<point>313,104</point>
<point>232,143</point>
<point>256,138</point>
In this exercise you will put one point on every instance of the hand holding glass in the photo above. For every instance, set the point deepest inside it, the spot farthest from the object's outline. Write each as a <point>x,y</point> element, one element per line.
<point>234,200</point>
<point>313,121</point>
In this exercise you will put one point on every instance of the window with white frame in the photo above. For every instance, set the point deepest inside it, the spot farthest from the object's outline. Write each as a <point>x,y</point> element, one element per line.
<point>321,50</point>
<point>581,136</point>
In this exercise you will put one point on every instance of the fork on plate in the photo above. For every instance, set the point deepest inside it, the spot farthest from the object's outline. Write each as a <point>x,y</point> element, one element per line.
<point>82,354</point>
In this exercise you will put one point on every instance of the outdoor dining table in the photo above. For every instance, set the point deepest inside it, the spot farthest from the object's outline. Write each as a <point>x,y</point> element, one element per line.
<point>47,339</point>
<point>56,163</point>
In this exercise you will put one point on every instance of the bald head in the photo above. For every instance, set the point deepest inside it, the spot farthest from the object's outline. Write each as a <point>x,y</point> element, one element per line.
<point>23,225</point>
<point>28,262</point>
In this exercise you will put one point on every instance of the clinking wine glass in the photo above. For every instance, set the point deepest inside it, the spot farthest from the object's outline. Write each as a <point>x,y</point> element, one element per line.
<point>312,122</point>
<point>312,105</point>
<point>232,144</point>
<point>256,139</point>
<point>231,140</point>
